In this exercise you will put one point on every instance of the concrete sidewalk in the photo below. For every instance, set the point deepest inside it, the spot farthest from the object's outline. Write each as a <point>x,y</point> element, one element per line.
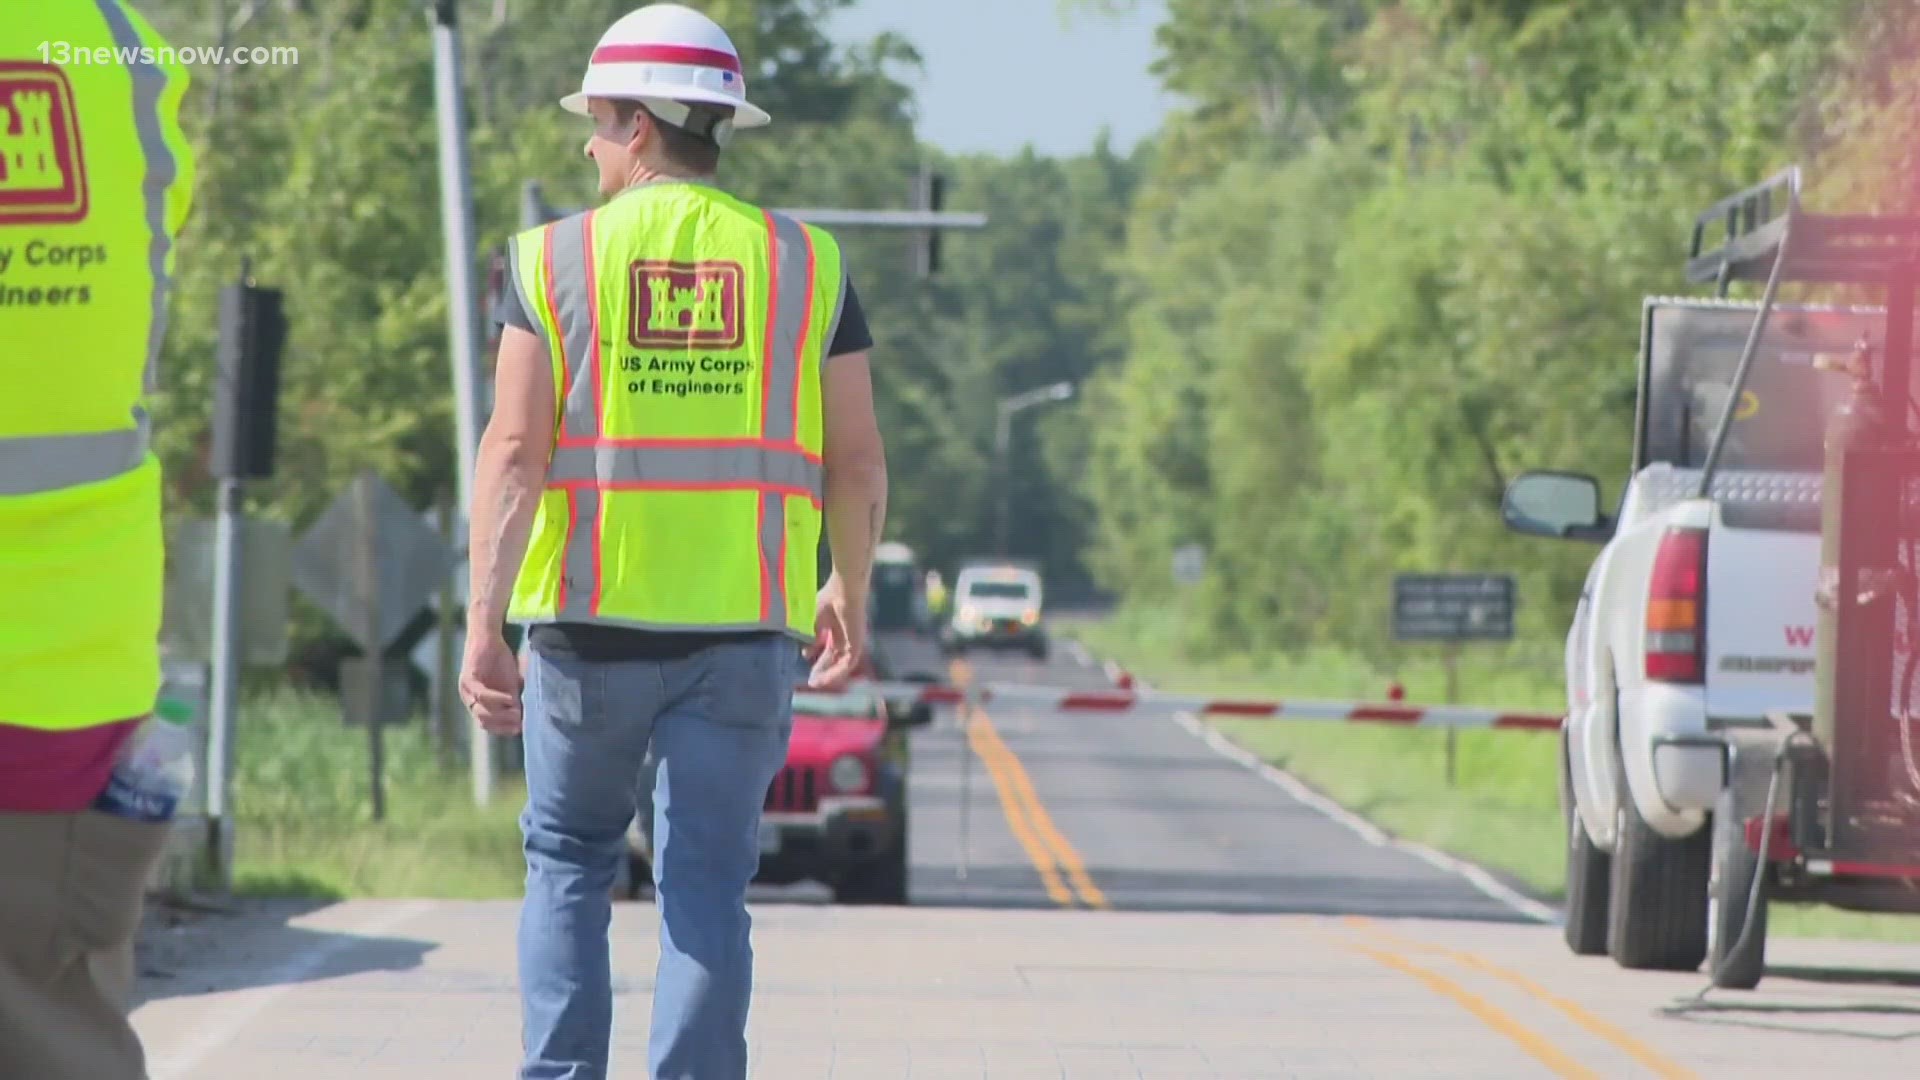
<point>426,991</point>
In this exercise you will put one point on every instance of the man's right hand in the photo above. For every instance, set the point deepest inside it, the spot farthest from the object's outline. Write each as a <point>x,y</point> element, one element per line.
<point>490,683</point>
<point>840,637</point>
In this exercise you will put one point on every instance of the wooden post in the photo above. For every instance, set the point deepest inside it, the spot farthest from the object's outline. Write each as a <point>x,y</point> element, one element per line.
<point>1452,663</point>
<point>367,585</point>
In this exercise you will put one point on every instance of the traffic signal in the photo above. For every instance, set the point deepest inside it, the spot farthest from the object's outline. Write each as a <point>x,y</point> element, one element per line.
<point>246,398</point>
<point>929,194</point>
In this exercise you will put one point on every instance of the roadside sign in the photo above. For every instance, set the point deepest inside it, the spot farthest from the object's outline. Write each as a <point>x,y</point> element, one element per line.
<point>1189,564</point>
<point>395,697</point>
<point>412,562</point>
<point>266,554</point>
<point>1453,607</point>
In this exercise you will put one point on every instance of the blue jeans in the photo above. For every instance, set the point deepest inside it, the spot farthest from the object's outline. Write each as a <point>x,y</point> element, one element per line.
<point>717,723</point>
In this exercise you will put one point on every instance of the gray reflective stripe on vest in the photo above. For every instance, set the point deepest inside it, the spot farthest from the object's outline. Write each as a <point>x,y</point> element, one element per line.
<point>790,256</point>
<point>773,557</point>
<point>149,84</point>
<point>577,569</point>
<point>742,466</point>
<point>36,464</point>
<point>571,283</point>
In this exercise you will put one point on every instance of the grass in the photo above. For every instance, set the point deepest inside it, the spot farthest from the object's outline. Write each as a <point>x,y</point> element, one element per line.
<point>305,821</point>
<point>1503,810</point>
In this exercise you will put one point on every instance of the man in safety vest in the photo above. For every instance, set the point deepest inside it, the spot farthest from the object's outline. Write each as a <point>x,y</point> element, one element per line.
<point>682,401</point>
<point>94,186</point>
<point>936,597</point>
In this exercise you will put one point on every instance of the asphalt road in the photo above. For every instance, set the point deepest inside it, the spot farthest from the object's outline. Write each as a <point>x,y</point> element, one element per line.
<point>1149,814</point>
<point>1094,896</point>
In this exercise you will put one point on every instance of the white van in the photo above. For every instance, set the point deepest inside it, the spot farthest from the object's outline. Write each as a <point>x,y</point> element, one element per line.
<point>997,605</point>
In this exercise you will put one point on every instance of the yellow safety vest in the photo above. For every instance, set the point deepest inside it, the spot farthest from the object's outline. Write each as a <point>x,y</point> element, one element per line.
<point>687,330</point>
<point>95,180</point>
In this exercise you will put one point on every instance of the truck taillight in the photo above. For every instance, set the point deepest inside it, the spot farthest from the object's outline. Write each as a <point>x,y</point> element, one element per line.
<point>1677,608</point>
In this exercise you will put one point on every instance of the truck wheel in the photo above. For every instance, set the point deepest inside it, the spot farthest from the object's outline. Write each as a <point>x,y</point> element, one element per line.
<point>877,881</point>
<point>1731,963</point>
<point>1657,906</point>
<point>1588,872</point>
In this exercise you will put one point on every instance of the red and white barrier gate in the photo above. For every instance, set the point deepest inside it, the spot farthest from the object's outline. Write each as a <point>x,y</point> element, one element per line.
<point>1054,699</point>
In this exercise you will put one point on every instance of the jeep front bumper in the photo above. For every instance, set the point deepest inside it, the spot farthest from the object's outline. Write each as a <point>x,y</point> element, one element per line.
<point>843,829</point>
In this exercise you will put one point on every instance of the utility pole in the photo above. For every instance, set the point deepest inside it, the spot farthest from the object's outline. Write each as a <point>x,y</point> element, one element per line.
<point>456,218</point>
<point>252,333</point>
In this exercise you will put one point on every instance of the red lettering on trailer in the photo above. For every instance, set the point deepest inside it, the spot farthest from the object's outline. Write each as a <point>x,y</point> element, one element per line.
<point>1800,637</point>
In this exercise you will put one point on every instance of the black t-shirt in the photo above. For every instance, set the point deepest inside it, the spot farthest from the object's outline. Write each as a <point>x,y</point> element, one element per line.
<point>596,642</point>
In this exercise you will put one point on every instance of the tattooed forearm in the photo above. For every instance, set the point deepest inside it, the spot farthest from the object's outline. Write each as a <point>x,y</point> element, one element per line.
<point>856,513</point>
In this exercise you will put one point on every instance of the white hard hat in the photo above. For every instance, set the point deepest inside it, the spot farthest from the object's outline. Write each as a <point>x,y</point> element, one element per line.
<point>669,57</point>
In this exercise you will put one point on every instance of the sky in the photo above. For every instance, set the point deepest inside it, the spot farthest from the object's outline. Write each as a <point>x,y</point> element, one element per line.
<point>988,61</point>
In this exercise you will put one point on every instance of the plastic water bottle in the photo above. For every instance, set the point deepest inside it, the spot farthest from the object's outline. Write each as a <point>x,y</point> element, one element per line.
<point>155,771</point>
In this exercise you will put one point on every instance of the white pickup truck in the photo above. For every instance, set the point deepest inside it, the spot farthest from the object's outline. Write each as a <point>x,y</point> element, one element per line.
<point>1697,621</point>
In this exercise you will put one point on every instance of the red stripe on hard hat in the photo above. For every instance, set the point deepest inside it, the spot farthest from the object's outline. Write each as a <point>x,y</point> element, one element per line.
<point>666,54</point>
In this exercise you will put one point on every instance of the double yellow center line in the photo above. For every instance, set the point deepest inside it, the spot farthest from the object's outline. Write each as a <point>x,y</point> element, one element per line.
<point>1062,872</point>
<point>1390,949</point>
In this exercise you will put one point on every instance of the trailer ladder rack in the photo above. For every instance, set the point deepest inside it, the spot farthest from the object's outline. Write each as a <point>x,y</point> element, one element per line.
<point>1831,249</point>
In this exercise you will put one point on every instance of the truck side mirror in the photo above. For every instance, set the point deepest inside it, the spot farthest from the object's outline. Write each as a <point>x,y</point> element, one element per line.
<point>1557,505</point>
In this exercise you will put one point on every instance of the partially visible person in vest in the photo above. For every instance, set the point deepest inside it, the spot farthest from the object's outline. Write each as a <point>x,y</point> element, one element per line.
<point>94,184</point>
<point>682,403</point>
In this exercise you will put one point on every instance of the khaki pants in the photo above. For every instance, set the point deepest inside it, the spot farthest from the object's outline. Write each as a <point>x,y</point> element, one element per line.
<point>71,888</point>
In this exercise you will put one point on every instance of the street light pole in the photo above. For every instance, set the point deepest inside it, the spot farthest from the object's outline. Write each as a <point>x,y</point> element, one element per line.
<point>1002,438</point>
<point>1003,446</point>
<point>456,219</point>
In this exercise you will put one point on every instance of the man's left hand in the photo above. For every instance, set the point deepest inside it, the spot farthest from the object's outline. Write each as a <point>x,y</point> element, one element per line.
<point>840,638</point>
<point>490,684</point>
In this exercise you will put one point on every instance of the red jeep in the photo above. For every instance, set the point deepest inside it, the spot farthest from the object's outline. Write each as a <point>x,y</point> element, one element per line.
<point>837,812</point>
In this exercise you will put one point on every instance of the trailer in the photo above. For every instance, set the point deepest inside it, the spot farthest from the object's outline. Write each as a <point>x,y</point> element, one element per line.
<point>899,602</point>
<point>1824,807</point>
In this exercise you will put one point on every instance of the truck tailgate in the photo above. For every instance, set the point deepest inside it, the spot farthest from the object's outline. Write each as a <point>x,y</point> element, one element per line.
<point>1760,620</point>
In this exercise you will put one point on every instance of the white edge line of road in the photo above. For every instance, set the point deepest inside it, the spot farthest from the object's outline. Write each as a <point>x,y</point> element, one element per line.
<point>1368,831</point>
<point>1079,653</point>
<point>227,1023</point>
